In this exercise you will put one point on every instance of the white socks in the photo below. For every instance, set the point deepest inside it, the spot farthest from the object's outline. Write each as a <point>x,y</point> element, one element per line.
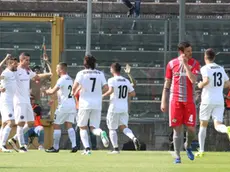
<point>97,131</point>
<point>129,133</point>
<point>25,129</point>
<point>221,128</point>
<point>5,134</point>
<point>84,138</point>
<point>56,138</point>
<point>72,136</point>
<point>20,136</point>
<point>201,137</point>
<point>113,138</point>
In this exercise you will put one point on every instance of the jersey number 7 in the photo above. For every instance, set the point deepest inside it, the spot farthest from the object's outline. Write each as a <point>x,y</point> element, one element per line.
<point>94,82</point>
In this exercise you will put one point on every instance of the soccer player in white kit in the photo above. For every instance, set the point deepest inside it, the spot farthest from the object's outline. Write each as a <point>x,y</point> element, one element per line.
<point>22,107</point>
<point>8,83</point>
<point>66,111</point>
<point>91,82</point>
<point>119,90</point>
<point>212,99</point>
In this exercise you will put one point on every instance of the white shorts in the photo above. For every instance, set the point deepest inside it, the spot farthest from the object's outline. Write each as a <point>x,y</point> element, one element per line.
<point>93,116</point>
<point>64,114</point>
<point>7,112</point>
<point>114,120</point>
<point>214,111</point>
<point>23,112</point>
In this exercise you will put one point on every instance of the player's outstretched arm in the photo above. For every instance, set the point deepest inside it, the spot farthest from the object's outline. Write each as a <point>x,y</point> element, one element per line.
<point>52,91</point>
<point>128,72</point>
<point>108,93</point>
<point>4,60</point>
<point>46,60</point>
<point>165,95</point>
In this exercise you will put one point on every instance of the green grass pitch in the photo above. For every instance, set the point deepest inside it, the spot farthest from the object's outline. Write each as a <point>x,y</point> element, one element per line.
<point>100,161</point>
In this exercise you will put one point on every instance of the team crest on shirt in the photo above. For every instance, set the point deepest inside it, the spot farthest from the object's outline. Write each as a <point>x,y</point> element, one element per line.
<point>10,115</point>
<point>174,120</point>
<point>21,117</point>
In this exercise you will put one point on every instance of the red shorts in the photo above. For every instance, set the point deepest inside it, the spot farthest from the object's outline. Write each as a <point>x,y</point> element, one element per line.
<point>182,113</point>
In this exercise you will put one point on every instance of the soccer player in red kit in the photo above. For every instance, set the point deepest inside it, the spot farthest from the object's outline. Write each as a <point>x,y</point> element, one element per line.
<point>180,79</point>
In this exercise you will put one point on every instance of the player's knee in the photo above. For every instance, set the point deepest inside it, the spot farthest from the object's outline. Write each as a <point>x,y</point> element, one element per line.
<point>21,124</point>
<point>191,129</point>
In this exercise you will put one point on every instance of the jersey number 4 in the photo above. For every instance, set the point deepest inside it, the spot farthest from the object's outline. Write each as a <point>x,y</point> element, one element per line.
<point>123,89</point>
<point>217,79</point>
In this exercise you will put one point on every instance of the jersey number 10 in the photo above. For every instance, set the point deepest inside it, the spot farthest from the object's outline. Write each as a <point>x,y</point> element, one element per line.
<point>123,91</point>
<point>217,79</point>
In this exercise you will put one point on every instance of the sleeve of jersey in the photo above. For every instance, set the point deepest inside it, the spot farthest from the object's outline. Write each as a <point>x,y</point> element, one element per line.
<point>196,69</point>
<point>130,87</point>
<point>32,74</point>
<point>168,73</point>
<point>103,79</point>
<point>59,83</point>
<point>204,72</point>
<point>110,83</point>
<point>78,78</point>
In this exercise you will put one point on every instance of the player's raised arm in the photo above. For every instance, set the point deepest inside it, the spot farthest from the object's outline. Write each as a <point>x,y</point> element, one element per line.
<point>4,60</point>
<point>128,72</point>
<point>192,77</point>
<point>46,59</point>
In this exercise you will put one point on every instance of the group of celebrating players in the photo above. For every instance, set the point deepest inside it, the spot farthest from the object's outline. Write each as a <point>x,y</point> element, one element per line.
<point>91,86</point>
<point>180,79</point>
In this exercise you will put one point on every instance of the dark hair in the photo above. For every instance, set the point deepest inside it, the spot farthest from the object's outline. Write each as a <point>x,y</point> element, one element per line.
<point>89,62</point>
<point>11,60</point>
<point>63,66</point>
<point>25,54</point>
<point>181,46</point>
<point>210,54</point>
<point>116,67</point>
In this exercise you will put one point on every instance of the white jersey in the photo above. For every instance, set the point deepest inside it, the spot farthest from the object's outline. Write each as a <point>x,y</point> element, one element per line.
<point>91,82</point>
<point>9,83</point>
<point>65,98</point>
<point>23,78</point>
<point>119,99</point>
<point>213,92</point>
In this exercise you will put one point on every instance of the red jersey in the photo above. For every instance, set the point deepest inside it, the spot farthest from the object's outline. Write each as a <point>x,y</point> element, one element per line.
<point>182,90</point>
<point>37,110</point>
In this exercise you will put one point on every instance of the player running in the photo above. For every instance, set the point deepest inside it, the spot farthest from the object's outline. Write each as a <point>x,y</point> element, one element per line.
<point>119,90</point>
<point>66,110</point>
<point>8,83</point>
<point>181,74</point>
<point>212,99</point>
<point>22,107</point>
<point>91,82</point>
